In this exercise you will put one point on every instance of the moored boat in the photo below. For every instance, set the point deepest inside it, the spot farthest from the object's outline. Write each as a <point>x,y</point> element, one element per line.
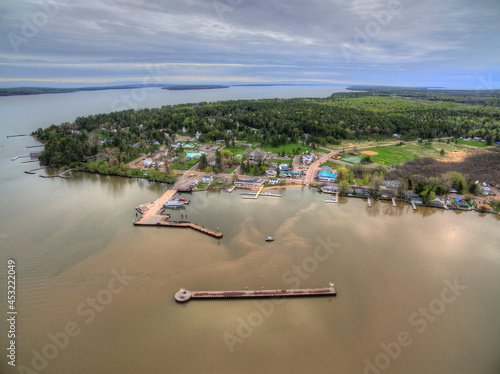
<point>173,204</point>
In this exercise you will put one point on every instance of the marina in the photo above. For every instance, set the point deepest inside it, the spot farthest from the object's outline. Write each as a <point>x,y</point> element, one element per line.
<point>183,295</point>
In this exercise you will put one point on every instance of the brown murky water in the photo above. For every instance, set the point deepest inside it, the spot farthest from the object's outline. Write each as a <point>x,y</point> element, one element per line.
<point>417,291</point>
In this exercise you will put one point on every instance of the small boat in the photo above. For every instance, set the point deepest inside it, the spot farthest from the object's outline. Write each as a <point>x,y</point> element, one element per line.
<point>270,239</point>
<point>173,204</point>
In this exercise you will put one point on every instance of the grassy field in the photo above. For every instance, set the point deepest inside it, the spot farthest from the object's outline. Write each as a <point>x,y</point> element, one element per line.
<point>331,164</point>
<point>238,150</point>
<point>188,165</point>
<point>288,148</point>
<point>349,144</point>
<point>473,143</point>
<point>391,155</point>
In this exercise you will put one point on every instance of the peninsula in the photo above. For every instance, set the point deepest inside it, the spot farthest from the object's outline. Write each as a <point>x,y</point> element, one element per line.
<point>427,147</point>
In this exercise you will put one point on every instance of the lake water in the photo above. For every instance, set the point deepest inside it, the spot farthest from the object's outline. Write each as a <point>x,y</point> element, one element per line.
<point>417,290</point>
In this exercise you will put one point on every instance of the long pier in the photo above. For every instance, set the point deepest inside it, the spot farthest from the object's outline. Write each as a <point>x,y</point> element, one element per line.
<point>183,295</point>
<point>394,202</point>
<point>369,202</point>
<point>14,136</point>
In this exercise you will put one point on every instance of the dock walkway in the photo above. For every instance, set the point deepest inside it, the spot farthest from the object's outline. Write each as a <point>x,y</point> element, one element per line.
<point>183,295</point>
<point>394,202</point>
<point>164,222</point>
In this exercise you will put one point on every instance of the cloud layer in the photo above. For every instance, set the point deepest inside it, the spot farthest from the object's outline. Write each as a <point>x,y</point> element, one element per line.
<point>451,43</point>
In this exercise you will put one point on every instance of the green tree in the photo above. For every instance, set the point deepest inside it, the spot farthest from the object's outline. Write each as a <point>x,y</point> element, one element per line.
<point>344,186</point>
<point>203,164</point>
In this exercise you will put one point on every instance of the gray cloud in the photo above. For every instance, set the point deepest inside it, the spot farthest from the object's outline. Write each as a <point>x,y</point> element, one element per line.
<point>395,41</point>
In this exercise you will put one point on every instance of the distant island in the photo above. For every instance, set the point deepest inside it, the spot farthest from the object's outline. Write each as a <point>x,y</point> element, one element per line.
<point>194,87</point>
<point>16,91</point>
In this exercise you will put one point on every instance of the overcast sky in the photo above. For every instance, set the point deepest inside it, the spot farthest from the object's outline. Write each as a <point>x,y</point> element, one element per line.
<point>449,43</point>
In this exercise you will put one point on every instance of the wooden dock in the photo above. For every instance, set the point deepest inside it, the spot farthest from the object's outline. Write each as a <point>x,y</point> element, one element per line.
<point>335,198</point>
<point>369,202</point>
<point>252,195</point>
<point>14,136</point>
<point>231,189</point>
<point>394,202</point>
<point>16,157</point>
<point>183,295</point>
<point>60,175</point>
<point>414,206</point>
<point>163,221</point>
<point>32,171</point>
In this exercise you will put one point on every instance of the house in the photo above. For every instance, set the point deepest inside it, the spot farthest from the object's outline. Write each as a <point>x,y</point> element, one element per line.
<point>207,179</point>
<point>330,189</point>
<point>362,191</point>
<point>274,181</point>
<point>397,136</point>
<point>220,141</point>
<point>176,144</point>
<point>413,198</point>
<point>438,202</point>
<point>147,162</point>
<point>460,203</point>
<point>483,207</point>
<point>307,159</point>
<point>486,191</point>
<point>283,167</point>
<point>257,153</point>
<point>391,184</point>
<point>245,145</point>
<point>248,183</point>
<point>477,138</point>
<point>271,173</point>
<point>326,175</point>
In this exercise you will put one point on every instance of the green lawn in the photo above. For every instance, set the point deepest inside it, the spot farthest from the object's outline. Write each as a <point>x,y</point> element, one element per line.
<point>473,143</point>
<point>391,155</point>
<point>331,164</point>
<point>200,186</point>
<point>322,150</point>
<point>238,150</point>
<point>288,148</point>
<point>188,165</point>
